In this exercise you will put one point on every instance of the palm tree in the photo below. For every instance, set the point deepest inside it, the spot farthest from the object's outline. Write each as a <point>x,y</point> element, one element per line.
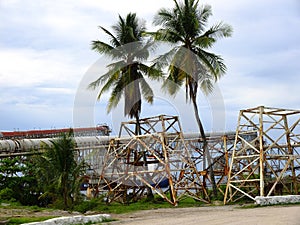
<point>58,172</point>
<point>189,62</point>
<point>126,76</point>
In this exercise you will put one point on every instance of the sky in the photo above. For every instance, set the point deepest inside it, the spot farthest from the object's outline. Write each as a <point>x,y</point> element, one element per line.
<point>46,62</point>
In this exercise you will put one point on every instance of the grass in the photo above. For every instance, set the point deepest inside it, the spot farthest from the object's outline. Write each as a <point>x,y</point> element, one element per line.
<point>23,219</point>
<point>118,208</point>
<point>144,204</point>
<point>99,206</point>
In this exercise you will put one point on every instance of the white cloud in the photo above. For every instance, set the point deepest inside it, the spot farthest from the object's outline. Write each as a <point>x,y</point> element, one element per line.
<point>45,52</point>
<point>26,67</point>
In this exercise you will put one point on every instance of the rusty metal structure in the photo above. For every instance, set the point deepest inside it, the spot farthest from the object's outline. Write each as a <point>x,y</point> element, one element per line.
<point>220,146</point>
<point>261,158</point>
<point>157,159</point>
<point>269,162</point>
<point>168,160</point>
<point>164,160</point>
<point>93,149</point>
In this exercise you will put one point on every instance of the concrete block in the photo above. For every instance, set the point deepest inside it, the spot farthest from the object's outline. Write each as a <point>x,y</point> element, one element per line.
<point>64,220</point>
<point>274,200</point>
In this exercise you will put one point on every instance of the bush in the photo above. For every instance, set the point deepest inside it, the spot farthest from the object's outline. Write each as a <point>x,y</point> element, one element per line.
<point>57,204</point>
<point>88,205</point>
<point>46,199</point>
<point>7,194</point>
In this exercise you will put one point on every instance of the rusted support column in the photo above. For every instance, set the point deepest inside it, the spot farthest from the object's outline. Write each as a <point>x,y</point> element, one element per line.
<point>291,152</point>
<point>173,193</point>
<point>226,166</point>
<point>228,191</point>
<point>261,151</point>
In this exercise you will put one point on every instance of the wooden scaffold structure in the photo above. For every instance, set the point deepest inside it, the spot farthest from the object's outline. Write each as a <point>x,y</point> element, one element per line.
<point>157,159</point>
<point>220,146</point>
<point>164,160</point>
<point>266,155</point>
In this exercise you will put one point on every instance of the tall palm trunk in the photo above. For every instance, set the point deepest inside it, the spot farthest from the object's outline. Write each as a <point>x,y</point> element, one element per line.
<point>65,191</point>
<point>139,132</point>
<point>205,146</point>
<point>137,125</point>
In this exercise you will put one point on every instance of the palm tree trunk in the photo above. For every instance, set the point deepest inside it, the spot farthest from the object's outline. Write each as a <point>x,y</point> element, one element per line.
<point>205,146</point>
<point>65,192</point>
<point>138,131</point>
<point>137,125</point>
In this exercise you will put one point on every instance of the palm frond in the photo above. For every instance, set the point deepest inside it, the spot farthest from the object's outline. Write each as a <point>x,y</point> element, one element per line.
<point>114,41</point>
<point>165,59</point>
<point>110,82</point>
<point>162,17</point>
<point>140,50</point>
<point>214,62</point>
<point>147,92</point>
<point>112,75</point>
<point>116,66</point>
<point>108,50</point>
<point>172,30</point>
<point>219,30</point>
<point>174,81</point>
<point>93,85</point>
<point>150,71</point>
<point>101,47</point>
<point>204,12</point>
<point>204,41</point>
<point>116,94</point>
<point>206,83</point>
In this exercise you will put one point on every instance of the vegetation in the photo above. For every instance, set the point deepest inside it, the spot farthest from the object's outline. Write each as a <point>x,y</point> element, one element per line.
<point>53,177</point>
<point>96,205</point>
<point>126,76</point>
<point>58,173</point>
<point>16,182</point>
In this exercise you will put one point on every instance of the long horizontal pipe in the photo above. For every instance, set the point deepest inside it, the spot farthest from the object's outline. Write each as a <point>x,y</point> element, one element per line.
<point>24,145</point>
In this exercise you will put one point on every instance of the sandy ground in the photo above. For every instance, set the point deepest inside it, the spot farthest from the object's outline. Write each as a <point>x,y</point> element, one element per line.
<point>206,215</point>
<point>233,215</point>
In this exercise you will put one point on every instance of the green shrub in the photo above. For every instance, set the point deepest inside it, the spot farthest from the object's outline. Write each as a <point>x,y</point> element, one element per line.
<point>7,194</point>
<point>57,204</point>
<point>85,206</point>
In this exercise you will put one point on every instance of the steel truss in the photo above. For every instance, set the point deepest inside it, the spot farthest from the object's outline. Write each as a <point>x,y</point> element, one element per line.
<point>265,159</point>
<point>220,147</point>
<point>161,158</point>
<point>164,160</point>
<point>158,159</point>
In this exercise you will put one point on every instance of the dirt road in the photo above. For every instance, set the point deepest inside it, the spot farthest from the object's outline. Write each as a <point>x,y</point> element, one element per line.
<point>233,215</point>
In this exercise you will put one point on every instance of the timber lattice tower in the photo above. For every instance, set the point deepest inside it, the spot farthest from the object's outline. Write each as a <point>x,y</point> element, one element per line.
<point>157,159</point>
<point>269,162</point>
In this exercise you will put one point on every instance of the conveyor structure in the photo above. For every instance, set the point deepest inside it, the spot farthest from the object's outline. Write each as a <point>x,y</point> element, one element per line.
<point>261,158</point>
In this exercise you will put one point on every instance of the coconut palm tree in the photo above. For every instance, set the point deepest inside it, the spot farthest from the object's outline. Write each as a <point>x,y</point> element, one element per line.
<point>126,76</point>
<point>190,63</point>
